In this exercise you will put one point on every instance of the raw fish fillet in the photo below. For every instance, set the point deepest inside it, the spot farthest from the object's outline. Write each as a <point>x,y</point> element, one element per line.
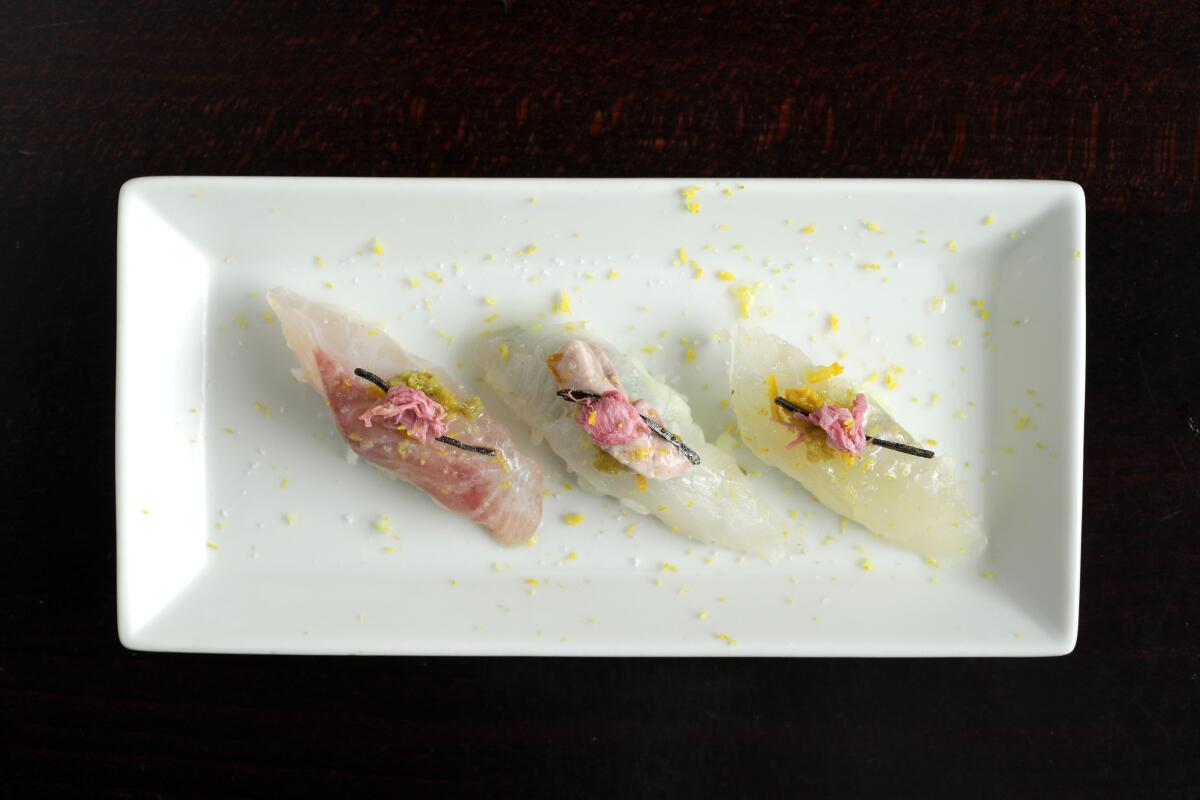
<point>712,502</point>
<point>914,502</point>
<point>503,493</point>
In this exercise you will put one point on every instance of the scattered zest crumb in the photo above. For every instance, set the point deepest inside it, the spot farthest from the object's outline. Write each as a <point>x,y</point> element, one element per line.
<point>745,298</point>
<point>727,639</point>
<point>572,519</point>
<point>527,251</point>
<point>382,523</point>
<point>563,304</point>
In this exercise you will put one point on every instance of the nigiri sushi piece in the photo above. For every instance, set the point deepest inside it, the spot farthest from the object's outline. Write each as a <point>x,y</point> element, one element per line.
<point>424,430</point>
<point>825,443</point>
<point>627,435</point>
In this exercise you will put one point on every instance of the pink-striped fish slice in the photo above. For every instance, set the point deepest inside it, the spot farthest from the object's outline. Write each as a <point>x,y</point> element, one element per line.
<point>503,493</point>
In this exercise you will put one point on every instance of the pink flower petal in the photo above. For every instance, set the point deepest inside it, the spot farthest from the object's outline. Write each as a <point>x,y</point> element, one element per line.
<point>410,410</point>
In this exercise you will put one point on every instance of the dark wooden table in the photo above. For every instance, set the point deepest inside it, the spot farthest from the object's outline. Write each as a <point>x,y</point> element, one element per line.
<point>1103,93</point>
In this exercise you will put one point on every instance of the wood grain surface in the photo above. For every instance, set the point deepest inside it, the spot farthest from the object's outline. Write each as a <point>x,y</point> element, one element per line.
<point>1103,93</point>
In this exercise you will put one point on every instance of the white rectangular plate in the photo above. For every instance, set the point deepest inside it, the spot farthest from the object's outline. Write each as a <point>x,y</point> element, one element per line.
<point>242,527</point>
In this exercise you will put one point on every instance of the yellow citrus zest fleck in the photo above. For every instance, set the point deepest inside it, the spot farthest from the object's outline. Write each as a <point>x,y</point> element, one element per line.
<point>745,299</point>
<point>823,373</point>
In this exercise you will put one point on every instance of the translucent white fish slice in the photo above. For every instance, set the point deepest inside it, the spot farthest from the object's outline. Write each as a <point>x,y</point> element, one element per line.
<point>502,492</point>
<point>914,502</point>
<point>713,503</point>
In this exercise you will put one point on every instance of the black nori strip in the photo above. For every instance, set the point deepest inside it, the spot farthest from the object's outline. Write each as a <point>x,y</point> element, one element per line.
<point>575,396</point>
<point>899,447</point>
<point>450,440</point>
